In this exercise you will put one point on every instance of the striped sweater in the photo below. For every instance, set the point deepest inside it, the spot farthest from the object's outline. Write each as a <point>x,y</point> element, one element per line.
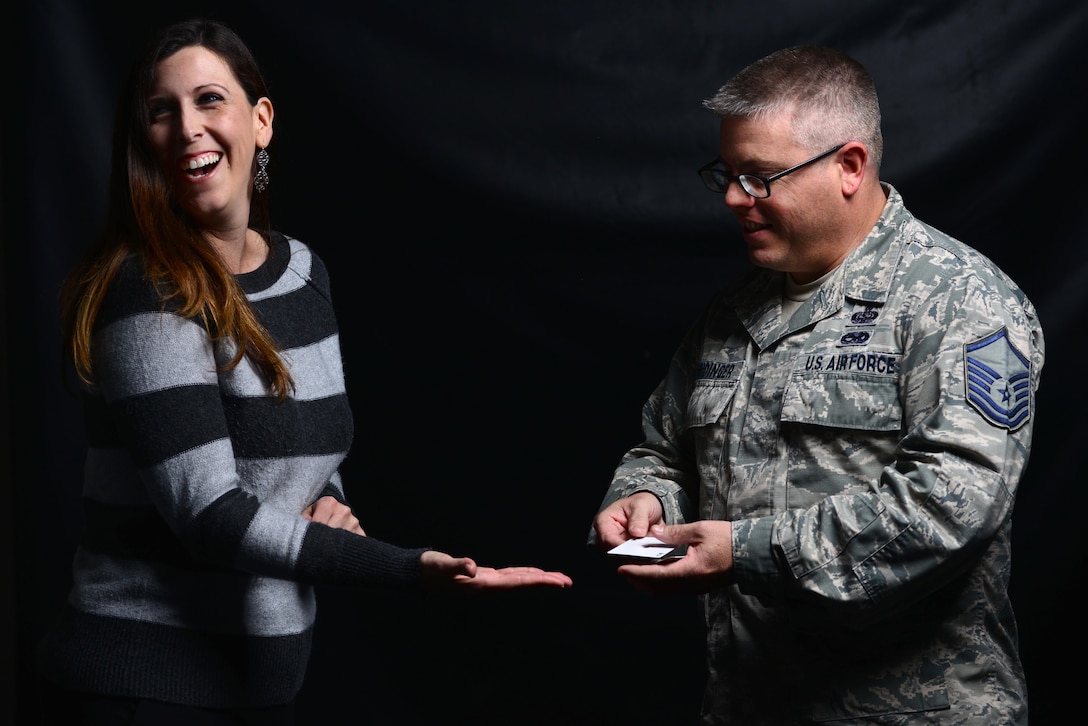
<point>192,582</point>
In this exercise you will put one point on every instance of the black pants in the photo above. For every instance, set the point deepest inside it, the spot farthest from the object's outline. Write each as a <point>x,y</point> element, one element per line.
<point>61,706</point>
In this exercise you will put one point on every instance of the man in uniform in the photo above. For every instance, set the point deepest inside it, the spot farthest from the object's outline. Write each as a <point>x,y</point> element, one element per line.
<point>838,440</point>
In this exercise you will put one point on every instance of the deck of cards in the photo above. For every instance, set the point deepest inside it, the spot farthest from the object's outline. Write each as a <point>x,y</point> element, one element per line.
<point>648,550</point>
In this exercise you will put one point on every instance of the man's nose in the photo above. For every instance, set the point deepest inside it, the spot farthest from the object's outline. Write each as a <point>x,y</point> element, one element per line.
<point>735,196</point>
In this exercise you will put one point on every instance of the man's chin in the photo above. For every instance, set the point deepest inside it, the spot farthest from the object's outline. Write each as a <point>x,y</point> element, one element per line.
<point>763,257</point>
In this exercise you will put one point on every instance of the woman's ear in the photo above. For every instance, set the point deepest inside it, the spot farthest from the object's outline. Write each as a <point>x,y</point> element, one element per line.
<point>262,117</point>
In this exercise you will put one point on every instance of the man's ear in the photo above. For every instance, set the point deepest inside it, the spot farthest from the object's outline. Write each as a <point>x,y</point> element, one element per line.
<point>852,161</point>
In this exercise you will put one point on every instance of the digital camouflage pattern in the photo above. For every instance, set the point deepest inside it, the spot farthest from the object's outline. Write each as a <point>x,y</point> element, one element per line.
<point>867,451</point>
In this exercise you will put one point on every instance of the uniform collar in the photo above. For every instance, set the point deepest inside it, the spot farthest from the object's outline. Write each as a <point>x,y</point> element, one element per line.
<point>864,276</point>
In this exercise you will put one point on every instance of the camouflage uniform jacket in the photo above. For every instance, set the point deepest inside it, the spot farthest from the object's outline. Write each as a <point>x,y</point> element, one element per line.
<point>867,451</point>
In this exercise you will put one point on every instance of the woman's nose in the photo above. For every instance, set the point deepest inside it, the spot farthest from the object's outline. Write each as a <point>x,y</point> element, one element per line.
<point>189,124</point>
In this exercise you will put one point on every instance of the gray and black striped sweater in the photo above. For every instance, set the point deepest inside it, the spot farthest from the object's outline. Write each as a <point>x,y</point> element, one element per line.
<point>193,577</point>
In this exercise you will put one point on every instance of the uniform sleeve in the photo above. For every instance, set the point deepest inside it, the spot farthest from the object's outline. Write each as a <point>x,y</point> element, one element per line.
<point>970,371</point>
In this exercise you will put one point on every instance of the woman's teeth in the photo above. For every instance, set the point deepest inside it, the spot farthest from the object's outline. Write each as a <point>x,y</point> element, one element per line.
<point>198,165</point>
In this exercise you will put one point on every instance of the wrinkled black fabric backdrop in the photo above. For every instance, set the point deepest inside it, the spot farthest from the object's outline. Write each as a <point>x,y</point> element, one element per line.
<point>506,196</point>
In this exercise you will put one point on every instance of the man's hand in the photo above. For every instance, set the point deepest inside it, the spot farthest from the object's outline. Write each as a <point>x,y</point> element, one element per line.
<point>705,566</point>
<point>627,518</point>
<point>445,573</point>
<point>327,510</point>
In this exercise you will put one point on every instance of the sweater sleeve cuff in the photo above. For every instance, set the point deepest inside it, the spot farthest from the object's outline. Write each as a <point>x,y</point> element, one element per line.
<point>331,491</point>
<point>338,557</point>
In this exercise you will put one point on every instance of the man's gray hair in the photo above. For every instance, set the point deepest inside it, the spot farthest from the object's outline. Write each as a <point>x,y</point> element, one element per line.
<point>830,95</point>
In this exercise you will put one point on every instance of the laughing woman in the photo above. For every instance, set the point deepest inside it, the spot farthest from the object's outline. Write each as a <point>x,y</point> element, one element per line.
<point>217,420</point>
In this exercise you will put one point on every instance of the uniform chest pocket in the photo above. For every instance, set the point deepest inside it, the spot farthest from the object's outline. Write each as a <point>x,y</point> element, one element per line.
<point>708,402</point>
<point>843,400</point>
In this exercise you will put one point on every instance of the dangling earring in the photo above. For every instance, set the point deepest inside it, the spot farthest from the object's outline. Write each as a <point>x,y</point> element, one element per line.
<point>260,182</point>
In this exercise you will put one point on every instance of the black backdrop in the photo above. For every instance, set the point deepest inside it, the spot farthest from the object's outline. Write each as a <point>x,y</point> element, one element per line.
<point>506,197</point>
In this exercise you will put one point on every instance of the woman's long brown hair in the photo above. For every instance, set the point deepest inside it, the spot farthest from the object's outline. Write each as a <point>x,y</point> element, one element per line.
<point>144,219</point>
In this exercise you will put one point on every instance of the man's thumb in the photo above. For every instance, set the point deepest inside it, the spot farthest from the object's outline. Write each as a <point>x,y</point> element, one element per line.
<point>669,533</point>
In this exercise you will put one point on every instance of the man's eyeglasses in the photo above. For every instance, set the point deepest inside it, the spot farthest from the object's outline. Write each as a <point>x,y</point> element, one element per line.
<point>717,180</point>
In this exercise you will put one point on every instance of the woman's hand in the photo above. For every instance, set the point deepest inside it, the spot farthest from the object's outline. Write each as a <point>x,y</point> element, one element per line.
<point>333,513</point>
<point>446,573</point>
